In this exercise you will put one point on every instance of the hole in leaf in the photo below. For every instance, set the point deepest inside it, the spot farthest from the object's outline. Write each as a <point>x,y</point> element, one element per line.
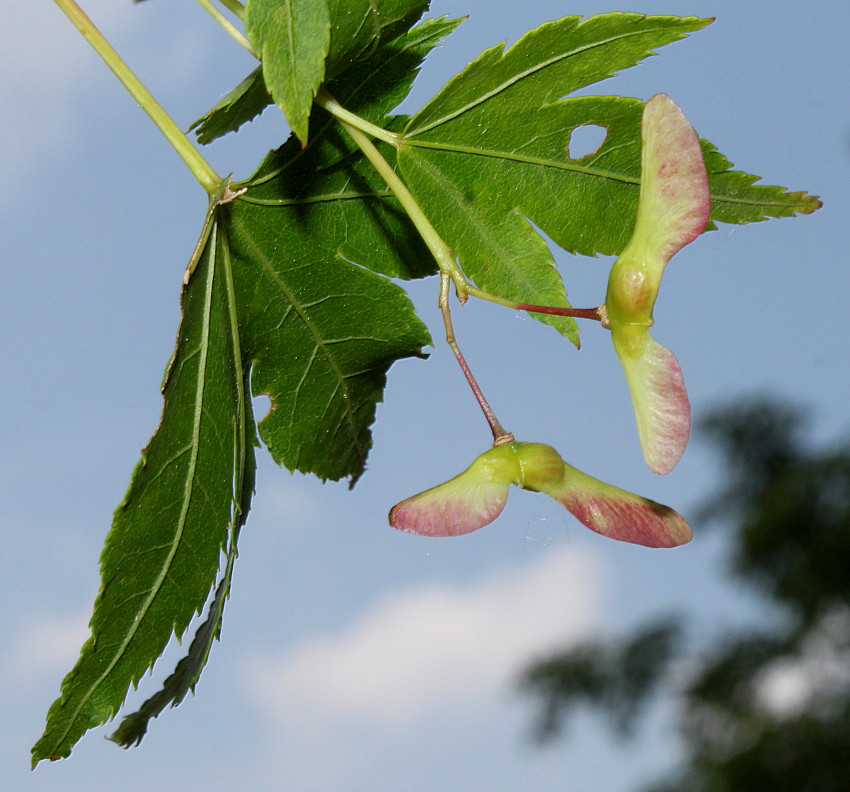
<point>262,405</point>
<point>585,140</point>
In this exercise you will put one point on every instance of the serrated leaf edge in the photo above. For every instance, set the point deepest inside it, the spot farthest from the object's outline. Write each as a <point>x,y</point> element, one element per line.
<point>188,490</point>
<point>501,51</point>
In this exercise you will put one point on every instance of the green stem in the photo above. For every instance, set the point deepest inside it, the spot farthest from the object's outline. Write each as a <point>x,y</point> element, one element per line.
<point>200,168</point>
<point>325,100</point>
<point>237,35</point>
<point>359,130</point>
<point>443,254</point>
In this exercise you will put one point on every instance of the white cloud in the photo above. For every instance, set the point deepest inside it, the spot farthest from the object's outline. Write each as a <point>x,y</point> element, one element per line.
<point>784,688</point>
<point>426,647</point>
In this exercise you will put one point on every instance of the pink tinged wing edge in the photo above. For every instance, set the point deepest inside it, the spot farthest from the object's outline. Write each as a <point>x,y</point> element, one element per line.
<point>661,405</point>
<point>460,506</point>
<point>617,514</point>
<point>675,200</point>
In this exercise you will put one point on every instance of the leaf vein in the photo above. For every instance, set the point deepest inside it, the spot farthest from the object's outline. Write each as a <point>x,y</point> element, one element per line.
<point>317,337</point>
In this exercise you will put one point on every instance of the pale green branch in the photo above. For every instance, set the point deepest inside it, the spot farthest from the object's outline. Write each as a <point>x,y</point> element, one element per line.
<point>442,253</point>
<point>200,168</point>
<point>237,35</point>
<point>326,101</point>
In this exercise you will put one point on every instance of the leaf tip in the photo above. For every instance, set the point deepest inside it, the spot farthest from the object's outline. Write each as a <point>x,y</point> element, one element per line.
<point>809,203</point>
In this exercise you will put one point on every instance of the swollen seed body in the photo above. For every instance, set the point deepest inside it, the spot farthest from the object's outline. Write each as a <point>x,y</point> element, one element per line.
<point>632,290</point>
<point>541,466</point>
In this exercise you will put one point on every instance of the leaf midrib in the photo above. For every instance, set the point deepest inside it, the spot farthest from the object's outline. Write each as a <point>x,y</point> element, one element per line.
<point>208,632</point>
<point>572,167</point>
<point>521,158</point>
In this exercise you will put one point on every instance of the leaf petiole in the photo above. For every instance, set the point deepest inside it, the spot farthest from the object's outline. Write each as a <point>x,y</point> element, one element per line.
<point>326,101</point>
<point>237,35</point>
<point>576,313</point>
<point>200,168</point>
<point>438,247</point>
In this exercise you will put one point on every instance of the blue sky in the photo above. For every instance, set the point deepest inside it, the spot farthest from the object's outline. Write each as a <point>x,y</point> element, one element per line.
<point>354,657</point>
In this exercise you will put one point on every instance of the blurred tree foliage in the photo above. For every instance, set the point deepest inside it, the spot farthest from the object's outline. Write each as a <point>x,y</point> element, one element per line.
<point>768,709</point>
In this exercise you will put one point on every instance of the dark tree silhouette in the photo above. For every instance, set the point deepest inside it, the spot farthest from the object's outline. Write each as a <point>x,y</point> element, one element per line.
<point>787,508</point>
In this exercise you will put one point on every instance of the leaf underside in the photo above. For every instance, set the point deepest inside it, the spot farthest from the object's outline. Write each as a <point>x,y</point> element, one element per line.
<point>323,333</point>
<point>370,87</point>
<point>244,103</point>
<point>188,495</point>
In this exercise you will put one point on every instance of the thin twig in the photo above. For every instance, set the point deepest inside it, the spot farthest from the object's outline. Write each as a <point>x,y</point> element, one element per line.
<point>500,435</point>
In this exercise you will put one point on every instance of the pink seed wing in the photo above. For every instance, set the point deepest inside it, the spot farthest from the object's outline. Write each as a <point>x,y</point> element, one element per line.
<point>662,408</point>
<point>675,200</point>
<point>618,514</point>
<point>460,506</point>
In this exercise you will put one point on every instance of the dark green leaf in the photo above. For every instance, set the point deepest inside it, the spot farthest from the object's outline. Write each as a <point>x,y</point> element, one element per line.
<point>320,331</point>
<point>244,103</point>
<point>371,87</point>
<point>188,671</point>
<point>303,43</point>
<point>189,492</point>
<point>357,27</point>
<point>292,38</point>
<point>342,210</point>
<point>134,727</point>
<point>377,84</point>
